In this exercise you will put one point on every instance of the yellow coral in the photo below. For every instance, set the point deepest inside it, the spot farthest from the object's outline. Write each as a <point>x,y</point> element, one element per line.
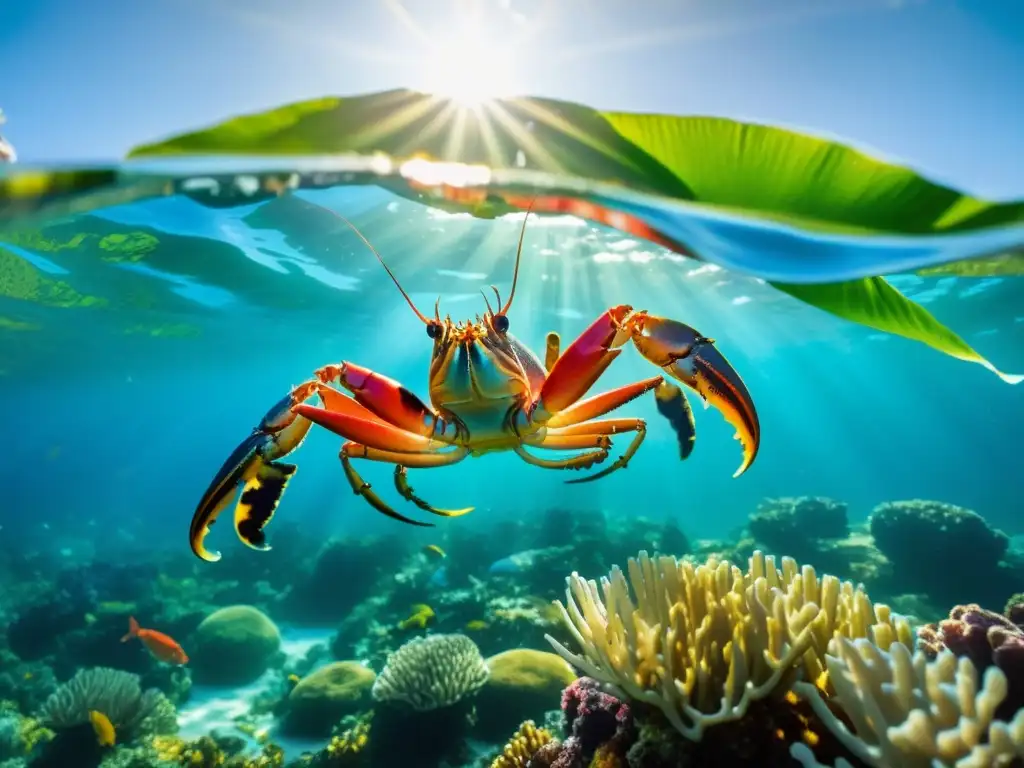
<point>169,748</point>
<point>604,757</point>
<point>353,741</point>
<point>522,746</point>
<point>703,642</point>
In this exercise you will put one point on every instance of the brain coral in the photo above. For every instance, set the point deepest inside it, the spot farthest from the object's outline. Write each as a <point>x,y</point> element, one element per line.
<point>432,672</point>
<point>233,646</point>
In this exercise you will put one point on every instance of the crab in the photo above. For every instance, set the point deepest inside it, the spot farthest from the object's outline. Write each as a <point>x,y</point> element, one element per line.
<point>488,392</point>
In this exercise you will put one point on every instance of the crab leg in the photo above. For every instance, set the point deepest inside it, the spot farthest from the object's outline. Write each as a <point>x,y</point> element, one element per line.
<point>599,405</point>
<point>375,434</point>
<point>402,460</point>
<point>579,461</point>
<point>556,440</point>
<point>614,427</point>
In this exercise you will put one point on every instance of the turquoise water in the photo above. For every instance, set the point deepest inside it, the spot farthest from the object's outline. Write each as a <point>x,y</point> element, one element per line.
<point>143,335</point>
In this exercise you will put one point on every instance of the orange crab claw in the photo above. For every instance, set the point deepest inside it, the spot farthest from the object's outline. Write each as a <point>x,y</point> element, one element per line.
<point>691,358</point>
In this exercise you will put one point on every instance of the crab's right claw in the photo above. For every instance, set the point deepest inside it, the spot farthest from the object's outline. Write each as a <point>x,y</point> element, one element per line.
<point>691,358</point>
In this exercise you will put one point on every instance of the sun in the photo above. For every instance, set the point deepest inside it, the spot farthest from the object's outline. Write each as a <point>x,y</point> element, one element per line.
<point>470,69</point>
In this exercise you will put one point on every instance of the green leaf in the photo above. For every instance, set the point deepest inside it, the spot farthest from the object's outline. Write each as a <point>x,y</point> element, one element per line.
<point>746,168</point>
<point>875,303</point>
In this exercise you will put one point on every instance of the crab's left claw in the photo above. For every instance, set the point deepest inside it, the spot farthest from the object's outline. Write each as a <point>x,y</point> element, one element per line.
<point>691,358</point>
<point>254,467</point>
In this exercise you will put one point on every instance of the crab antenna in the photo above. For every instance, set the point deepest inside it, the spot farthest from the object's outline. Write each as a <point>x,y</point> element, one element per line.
<point>383,264</point>
<point>519,253</point>
<point>437,309</point>
<point>496,294</point>
<point>487,302</point>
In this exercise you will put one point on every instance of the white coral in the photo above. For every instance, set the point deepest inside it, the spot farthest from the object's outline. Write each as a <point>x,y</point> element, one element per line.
<point>432,672</point>
<point>908,712</point>
<point>703,642</point>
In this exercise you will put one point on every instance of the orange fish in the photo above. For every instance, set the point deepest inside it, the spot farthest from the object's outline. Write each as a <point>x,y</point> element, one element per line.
<point>160,645</point>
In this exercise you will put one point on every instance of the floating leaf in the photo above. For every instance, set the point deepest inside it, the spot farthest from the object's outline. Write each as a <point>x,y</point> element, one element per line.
<point>876,304</point>
<point>752,169</point>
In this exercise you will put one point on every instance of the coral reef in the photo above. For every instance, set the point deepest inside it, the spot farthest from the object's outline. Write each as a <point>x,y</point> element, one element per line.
<point>907,711</point>
<point>702,642</point>
<point>523,745</point>
<point>521,686</point>
<point>921,538</point>
<point>321,699</point>
<point>432,672</point>
<point>117,695</point>
<point>798,527</point>
<point>987,639</point>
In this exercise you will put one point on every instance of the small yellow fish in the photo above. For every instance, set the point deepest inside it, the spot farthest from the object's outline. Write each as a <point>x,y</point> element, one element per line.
<point>105,734</point>
<point>293,679</point>
<point>434,550</point>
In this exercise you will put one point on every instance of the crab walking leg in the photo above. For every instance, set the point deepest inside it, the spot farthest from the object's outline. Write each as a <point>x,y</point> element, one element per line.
<point>557,441</point>
<point>579,461</point>
<point>401,460</point>
<point>614,427</point>
<point>599,405</point>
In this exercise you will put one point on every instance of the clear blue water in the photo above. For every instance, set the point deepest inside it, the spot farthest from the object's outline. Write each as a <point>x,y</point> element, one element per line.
<point>120,412</point>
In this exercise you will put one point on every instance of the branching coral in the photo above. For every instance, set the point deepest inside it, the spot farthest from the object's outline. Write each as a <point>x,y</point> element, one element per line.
<point>522,746</point>
<point>908,712</point>
<point>701,643</point>
<point>114,693</point>
<point>432,672</point>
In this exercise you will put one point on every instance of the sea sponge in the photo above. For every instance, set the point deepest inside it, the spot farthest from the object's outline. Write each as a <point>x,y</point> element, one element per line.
<point>233,646</point>
<point>322,698</point>
<point>432,672</point>
<point>909,712</point>
<point>117,695</point>
<point>523,745</point>
<point>702,642</point>
<point>522,684</point>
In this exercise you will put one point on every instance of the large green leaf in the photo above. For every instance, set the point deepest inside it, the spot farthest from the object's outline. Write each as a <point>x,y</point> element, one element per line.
<point>875,303</point>
<point>754,169</point>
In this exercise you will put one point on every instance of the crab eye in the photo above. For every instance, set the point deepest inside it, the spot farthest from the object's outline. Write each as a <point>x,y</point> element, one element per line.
<point>500,323</point>
<point>434,330</point>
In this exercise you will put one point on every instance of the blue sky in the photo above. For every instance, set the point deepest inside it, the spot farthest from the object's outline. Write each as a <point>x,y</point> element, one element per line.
<point>934,83</point>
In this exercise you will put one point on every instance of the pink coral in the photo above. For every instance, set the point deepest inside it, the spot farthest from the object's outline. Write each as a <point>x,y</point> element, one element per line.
<point>986,638</point>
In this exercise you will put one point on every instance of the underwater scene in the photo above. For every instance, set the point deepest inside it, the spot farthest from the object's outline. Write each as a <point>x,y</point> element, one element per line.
<point>437,427</point>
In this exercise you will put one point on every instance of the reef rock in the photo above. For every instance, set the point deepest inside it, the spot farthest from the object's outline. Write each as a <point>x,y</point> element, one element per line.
<point>522,685</point>
<point>795,526</point>
<point>321,699</point>
<point>946,552</point>
<point>233,646</point>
